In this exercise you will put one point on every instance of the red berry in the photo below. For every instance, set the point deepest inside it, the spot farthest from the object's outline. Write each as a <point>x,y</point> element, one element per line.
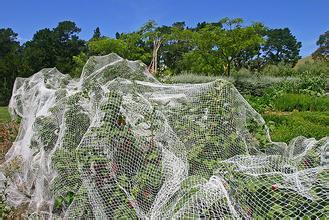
<point>114,167</point>
<point>249,212</point>
<point>146,193</point>
<point>132,203</point>
<point>274,187</point>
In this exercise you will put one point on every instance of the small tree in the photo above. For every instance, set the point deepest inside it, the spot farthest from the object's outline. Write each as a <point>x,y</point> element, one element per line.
<point>154,36</point>
<point>322,53</point>
<point>281,47</point>
<point>97,34</point>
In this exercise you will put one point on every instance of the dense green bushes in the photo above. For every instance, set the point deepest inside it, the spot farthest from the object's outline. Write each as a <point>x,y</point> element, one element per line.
<point>278,70</point>
<point>309,78</point>
<point>187,77</point>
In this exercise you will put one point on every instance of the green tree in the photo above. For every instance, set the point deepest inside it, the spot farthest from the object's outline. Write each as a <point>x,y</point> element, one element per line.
<point>322,53</point>
<point>9,62</point>
<point>236,40</point>
<point>173,49</point>
<point>281,47</point>
<point>154,37</point>
<point>97,33</point>
<point>201,56</point>
<point>135,45</point>
<point>53,48</point>
<point>218,46</point>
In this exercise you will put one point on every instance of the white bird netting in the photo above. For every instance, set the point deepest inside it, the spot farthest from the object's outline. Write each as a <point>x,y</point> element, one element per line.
<point>117,143</point>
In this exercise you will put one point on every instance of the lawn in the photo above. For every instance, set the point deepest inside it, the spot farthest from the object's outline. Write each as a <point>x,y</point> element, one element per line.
<point>4,114</point>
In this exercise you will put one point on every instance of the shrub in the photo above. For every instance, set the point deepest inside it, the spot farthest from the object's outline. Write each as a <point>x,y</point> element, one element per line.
<point>278,70</point>
<point>314,68</point>
<point>191,78</point>
<point>312,85</point>
<point>242,72</point>
<point>257,85</point>
<point>8,132</point>
<point>260,104</point>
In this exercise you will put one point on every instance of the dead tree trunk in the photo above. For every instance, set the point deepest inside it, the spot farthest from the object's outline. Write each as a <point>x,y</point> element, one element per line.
<point>153,67</point>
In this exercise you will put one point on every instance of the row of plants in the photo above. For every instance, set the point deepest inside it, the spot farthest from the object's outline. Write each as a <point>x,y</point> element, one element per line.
<point>269,195</point>
<point>8,132</point>
<point>259,86</point>
<point>211,141</point>
<point>125,170</point>
<point>281,69</point>
<point>134,163</point>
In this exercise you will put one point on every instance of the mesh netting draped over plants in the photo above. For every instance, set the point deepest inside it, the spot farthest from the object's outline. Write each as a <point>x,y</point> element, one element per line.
<point>117,143</point>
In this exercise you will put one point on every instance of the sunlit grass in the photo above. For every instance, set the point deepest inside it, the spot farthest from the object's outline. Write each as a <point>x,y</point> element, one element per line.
<point>4,114</point>
<point>288,125</point>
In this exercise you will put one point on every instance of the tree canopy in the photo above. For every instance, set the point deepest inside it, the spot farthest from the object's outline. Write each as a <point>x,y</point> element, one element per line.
<point>9,62</point>
<point>53,48</point>
<point>281,46</point>
<point>213,48</point>
<point>322,53</point>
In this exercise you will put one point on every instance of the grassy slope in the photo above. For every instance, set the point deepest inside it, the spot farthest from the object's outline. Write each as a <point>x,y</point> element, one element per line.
<point>303,61</point>
<point>4,115</point>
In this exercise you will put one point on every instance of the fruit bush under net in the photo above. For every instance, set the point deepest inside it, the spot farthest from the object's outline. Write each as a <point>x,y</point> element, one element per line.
<point>117,143</point>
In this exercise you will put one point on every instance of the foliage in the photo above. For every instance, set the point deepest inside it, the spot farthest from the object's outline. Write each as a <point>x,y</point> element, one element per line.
<point>105,46</point>
<point>53,48</point>
<point>282,202</point>
<point>189,78</point>
<point>79,62</point>
<point>285,126</point>
<point>258,85</point>
<point>288,102</point>
<point>316,68</point>
<point>281,46</point>
<point>300,102</point>
<point>174,48</point>
<point>322,53</point>
<point>134,162</point>
<point>97,34</point>
<point>306,84</point>
<point>212,48</point>
<point>8,132</point>
<point>216,46</point>
<point>9,62</point>
<point>279,69</point>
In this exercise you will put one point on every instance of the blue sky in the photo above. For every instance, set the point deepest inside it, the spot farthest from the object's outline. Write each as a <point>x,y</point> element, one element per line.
<point>307,19</point>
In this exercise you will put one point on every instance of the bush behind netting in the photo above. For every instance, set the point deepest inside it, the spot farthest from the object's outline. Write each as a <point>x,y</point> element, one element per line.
<point>117,143</point>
